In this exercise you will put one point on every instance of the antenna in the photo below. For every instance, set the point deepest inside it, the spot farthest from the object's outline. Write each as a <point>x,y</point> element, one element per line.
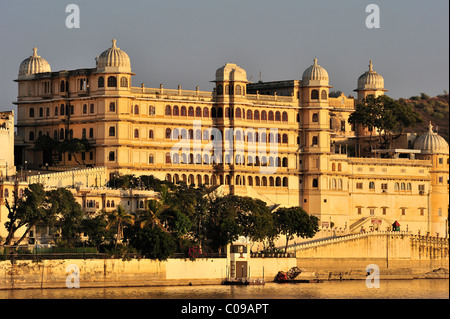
<point>260,76</point>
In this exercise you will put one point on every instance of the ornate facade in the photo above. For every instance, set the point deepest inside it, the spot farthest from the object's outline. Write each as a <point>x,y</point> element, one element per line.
<point>286,142</point>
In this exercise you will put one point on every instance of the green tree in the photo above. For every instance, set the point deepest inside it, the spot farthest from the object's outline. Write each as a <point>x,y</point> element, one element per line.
<point>97,230</point>
<point>75,146</point>
<point>152,242</point>
<point>223,227</point>
<point>294,221</point>
<point>387,116</point>
<point>118,218</point>
<point>27,211</point>
<point>63,205</point>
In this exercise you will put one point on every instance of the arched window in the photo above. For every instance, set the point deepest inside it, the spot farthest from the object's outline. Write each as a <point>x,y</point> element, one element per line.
<point>136,109</point>
<point>402,186</point>
<point>238,113</point>
<point>285,162</point>
<point>408,187</point>
<point>278,181</point>
<point>227,89</point>
<point>270,116</point>
<point>31,136</point>
<point>168,110</point>
<point>285,182</point>
<point>271,181</point>
<point>339,184</point>
<point>198,135</point>
<point>183,111</point>
<point>112,81</point>
<point>62,86</point>
<point>315,183</point>
<point>220,89</point>
<point>112,131</point>
<point>61,134</point>
<point>91,108</point>
<point>323,95</point>
<point>123,82</point>
<point>206,135</point>
<point>256,115</point>
<point>198,111</point>
<point>250,181</point>
<point>396,186</point>
<point>314,95</point>
<point>112,107</point>
<point>136,133</point>
<point>314,140</point>
<point>101,82</point>
<point>250,137</point>
<point>249,114</point>
<point>176,110</point>
<point>112,156</point>
<point>285,138</point>
<point>339,167</point>
<point>191,111</point>
<point>83,133</point>
<point>168,158</point>
<point>56,110</point>
<point>315,117</point>
<point>333,167</point>
<point>264,181</point>
<point>284,117</point>
<point>31,112</point>
<point>150,134</point>
<point>91,133</point>
<point>205,112</point>
<point>168,133</point>
<point>238,90</point>
<point>277,116</point>
<point>264,116</point>
<point>84,108</point>
<point>176,158</point>
<point>371,185</point>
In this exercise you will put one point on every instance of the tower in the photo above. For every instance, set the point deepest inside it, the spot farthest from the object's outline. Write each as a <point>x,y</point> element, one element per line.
<point>435,149</point>
<point>314,138</point>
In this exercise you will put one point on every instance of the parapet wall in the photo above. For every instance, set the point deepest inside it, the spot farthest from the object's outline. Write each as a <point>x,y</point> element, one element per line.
<point>87,177</point>
<point>134,272</point>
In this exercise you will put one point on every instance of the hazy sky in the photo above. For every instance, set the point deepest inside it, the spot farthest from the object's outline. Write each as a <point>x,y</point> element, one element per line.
<point>183,42</point>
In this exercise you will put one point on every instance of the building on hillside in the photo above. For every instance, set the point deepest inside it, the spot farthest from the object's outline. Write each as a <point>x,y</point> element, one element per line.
<point>286,142</point>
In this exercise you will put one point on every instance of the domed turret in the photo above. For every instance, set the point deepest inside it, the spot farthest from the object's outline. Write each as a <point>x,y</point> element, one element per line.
<point>431,143</point>
<point>315,75</point>
<point>114,60</point>
<point>33,65</point>
<point>231,72</point>
<point>370,80</point>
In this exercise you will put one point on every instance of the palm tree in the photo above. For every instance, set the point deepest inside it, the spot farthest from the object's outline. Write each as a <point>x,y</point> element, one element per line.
<point>151,213</point>
<point>119,217</point>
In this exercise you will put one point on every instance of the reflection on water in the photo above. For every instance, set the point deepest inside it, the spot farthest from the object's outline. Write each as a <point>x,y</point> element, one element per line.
<point>353,289</point>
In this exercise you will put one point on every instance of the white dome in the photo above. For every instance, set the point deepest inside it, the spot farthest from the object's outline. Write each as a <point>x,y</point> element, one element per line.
<point>231,72</point>
<point>370,80</point>
<point>114,60</point>
<point>431,143</point>
<point>315,75</point>
<point>33,65</point>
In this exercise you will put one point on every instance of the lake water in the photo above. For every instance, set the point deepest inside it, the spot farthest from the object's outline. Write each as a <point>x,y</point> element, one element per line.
<point>347,289</point>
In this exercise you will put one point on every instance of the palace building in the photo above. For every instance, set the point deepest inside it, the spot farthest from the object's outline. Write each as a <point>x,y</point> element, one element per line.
<point>288,143</point>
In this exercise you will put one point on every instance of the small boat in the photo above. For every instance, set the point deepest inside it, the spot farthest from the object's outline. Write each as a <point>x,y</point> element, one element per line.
<point>291,275</point>
<point>243,282</point>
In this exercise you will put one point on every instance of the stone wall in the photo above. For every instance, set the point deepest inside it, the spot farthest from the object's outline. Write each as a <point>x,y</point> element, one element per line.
<point>117,272</point>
